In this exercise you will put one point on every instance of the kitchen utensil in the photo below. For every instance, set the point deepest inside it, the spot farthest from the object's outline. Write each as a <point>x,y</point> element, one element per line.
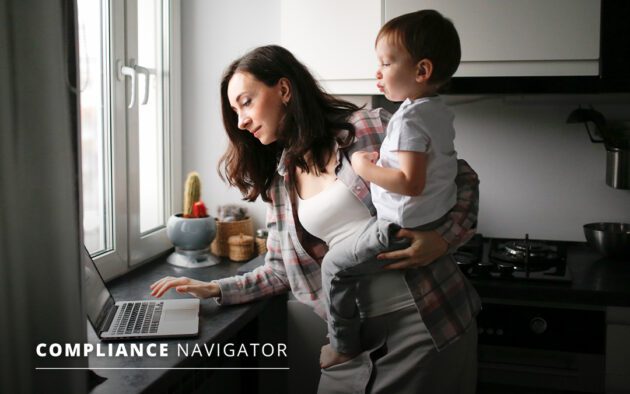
<point>609,239</point>
<point>618,168</point>
<point>616,138</point>
<point>261,240</point>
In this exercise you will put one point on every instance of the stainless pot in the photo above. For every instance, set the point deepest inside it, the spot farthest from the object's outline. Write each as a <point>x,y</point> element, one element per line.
<point>618,168</point>
<point>610,239</point>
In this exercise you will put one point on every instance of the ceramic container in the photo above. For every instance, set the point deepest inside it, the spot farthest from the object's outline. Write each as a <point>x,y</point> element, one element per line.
<point>191,233</point>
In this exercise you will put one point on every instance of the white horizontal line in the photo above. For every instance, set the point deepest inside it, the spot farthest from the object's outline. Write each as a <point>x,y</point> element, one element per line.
<point>97,368</point>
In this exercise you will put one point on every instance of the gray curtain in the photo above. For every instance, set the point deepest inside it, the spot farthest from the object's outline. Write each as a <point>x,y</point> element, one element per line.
<point>40,223</point>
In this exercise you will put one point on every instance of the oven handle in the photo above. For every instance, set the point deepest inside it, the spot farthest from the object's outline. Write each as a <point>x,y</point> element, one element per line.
<point>531,369</point>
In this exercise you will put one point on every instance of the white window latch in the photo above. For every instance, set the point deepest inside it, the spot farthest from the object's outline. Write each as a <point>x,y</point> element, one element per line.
<point>131,72</point>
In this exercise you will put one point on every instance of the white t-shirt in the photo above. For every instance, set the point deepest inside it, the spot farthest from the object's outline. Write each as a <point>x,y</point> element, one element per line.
<point>423,125</point>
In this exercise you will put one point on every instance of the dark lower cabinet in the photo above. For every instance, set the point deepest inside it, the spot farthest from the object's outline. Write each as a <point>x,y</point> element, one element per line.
<point>236,375</point>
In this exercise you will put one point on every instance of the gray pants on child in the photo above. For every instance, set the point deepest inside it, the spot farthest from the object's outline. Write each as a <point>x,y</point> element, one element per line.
<point>344,264</point>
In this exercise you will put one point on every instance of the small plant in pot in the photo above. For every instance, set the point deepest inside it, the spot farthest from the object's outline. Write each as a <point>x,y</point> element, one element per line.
<point>192,231</point>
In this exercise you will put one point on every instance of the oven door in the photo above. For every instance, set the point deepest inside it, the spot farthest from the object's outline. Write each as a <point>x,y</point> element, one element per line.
<point>532,346</point>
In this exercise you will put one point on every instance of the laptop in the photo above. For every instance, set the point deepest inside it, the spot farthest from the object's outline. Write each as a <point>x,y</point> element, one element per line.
<point>135,319</point>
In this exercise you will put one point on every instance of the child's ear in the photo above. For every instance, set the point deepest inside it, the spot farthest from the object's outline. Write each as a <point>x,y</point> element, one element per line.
<point>424,70</point>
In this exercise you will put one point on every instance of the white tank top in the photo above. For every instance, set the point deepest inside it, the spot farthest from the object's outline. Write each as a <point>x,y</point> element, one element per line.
<point>335,214</point>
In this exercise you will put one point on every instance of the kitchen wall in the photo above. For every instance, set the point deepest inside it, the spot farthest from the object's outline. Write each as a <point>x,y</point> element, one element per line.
<point>538,174</point>
<point>214,33</point>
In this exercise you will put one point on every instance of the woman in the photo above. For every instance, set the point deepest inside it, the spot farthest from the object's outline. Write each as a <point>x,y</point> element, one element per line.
<point>289,141</point>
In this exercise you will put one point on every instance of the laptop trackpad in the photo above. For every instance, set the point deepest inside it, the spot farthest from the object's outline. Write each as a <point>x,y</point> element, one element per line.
<point>180,317</point>
<point>175,315</point>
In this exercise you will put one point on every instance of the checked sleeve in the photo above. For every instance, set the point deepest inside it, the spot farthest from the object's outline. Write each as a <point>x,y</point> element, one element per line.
<point>462,218</point>
<point>264,281</point>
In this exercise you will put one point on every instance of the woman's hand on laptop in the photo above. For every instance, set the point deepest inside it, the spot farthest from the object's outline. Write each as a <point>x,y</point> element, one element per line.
<point>182,284</point>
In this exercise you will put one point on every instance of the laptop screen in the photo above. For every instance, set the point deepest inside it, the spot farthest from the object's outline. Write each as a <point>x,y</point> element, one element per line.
<point>98,299</point>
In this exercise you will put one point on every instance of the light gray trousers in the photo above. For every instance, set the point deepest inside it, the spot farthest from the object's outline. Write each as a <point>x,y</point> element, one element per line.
<point>401,358</point>
<point>342,268</point>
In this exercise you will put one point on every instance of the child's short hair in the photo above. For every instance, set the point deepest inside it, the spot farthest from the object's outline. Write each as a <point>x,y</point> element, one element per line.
<point>426,34</point>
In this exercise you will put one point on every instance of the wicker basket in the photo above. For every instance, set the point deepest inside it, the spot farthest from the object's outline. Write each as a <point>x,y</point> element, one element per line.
<point>241,247</point>
<point>220,245</point>
<point>261,245</point>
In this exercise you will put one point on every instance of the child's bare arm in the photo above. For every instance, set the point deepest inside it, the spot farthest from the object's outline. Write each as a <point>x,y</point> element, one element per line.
<point>409,180</point>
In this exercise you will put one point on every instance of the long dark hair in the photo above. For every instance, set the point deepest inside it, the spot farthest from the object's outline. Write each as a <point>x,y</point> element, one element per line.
<point>313,119</point>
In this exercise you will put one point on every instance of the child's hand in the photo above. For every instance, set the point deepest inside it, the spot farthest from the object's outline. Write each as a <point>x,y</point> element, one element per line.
<point>361,159</point>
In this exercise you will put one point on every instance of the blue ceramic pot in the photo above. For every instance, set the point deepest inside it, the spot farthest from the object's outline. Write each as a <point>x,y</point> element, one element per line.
<point>191,233</point>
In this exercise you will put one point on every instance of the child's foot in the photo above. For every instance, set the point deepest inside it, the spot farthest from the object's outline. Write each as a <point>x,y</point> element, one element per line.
<point>329,357</point>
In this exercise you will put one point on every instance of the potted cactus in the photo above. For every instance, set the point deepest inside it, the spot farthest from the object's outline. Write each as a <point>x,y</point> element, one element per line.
<point>191,231</point>
<point>193,206</point>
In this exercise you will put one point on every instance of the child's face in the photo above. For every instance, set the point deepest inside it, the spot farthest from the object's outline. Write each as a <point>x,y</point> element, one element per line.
<point>396,73</point>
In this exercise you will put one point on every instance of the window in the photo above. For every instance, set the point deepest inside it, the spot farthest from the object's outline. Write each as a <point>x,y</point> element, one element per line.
<point>129,78</point>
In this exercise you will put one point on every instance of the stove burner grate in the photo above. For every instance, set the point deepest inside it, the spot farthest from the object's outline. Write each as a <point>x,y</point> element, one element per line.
<point>519,248</point>
<point>541,257</point>
<point>507,259</point>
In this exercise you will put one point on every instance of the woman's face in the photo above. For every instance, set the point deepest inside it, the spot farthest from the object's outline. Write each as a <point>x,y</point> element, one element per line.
<point>260,108</point>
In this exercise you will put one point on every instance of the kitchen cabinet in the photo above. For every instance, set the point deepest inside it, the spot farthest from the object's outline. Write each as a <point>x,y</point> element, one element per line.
<point>617,348</point>
<point>335,39</point>
<point>499,38</point>
<point>519,38</point>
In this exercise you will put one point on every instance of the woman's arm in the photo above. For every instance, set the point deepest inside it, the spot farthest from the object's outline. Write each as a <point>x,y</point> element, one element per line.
<point>266,280</point>
<point>462,218</point>
<point>427,246</point>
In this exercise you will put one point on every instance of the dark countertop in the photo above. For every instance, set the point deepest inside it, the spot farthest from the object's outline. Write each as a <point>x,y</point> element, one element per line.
<point>216,324</point>
<point>597,281</point>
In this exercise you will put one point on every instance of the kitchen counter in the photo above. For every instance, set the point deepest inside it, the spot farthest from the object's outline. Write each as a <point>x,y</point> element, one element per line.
<point>239,324</point>
<point>597,281</point>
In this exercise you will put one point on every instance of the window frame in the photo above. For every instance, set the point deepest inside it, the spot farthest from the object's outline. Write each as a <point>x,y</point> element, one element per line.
<point>129,248</point>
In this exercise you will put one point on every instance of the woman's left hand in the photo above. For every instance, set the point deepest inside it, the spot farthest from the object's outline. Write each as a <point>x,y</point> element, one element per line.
<point>425,248</point>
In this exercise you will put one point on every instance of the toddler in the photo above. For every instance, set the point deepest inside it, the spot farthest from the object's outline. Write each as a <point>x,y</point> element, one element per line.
<point>412,183</point>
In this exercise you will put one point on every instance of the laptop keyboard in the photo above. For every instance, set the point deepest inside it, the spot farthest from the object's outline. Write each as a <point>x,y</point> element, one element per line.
<point>138,318</point>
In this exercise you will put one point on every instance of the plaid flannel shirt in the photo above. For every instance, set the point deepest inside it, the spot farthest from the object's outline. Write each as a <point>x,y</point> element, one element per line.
<point>444,297</point>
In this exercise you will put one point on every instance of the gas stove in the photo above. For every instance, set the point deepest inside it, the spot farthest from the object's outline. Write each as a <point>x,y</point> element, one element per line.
<point>514,259</point>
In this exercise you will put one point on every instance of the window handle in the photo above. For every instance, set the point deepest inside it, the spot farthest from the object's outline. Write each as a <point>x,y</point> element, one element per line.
<point>145,72</point>
<point>126,71</point>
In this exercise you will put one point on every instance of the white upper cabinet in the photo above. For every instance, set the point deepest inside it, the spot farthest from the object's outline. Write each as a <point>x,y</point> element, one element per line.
<point>335,39</point>
<point>519,38</point>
